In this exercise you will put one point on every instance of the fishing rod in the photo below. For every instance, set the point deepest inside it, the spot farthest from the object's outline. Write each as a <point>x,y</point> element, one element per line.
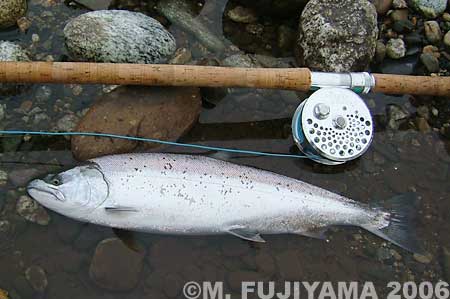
<point>300,79</point>
<point>332,126</point>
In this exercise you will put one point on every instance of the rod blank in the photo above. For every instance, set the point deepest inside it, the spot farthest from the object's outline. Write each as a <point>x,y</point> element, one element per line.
<point>201,76</point>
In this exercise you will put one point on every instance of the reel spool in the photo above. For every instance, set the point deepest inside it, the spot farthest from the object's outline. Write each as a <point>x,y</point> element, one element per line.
<point>333,126</point>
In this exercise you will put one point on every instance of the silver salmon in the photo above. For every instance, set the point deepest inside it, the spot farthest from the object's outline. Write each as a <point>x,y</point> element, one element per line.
<point>195,195</point>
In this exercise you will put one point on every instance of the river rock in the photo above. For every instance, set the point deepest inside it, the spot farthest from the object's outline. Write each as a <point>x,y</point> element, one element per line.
<point>116,267</point>
<point>241,14</point>
<point>430,8</point>
<point>118,36</point>
<point>395,48</point>
<point>337,35</point>
<point>37,278</point>
<point>382,6</point>
<point>95,4</point>
<point>433,32</point>
<point>3,177</point>
<point>11,52</point>
<point>430,62</point>
<point>11,11</point>
<point>181,13</point>
<point>277,8</point>
<point>150,112</point>
<point>32,211</point>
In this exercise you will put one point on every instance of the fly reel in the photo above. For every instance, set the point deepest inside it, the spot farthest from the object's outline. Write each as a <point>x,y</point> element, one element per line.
<point>333,126</point>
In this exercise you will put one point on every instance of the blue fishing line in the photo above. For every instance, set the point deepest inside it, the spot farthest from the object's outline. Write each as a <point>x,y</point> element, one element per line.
<point>188,145</point>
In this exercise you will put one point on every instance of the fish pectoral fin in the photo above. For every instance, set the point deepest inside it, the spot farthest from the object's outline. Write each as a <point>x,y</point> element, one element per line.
<point>246,234</point>
<point>117,208</point>
<point>316,233</point>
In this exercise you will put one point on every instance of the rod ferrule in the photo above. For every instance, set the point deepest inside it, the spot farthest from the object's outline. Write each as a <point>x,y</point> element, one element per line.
<point>358,82</point>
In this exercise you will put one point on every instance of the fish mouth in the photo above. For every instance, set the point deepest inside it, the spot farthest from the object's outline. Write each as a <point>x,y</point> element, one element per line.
<point>38,187</point>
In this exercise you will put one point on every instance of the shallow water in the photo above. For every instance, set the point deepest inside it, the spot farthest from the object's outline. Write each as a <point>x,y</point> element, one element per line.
<point>398,162</point>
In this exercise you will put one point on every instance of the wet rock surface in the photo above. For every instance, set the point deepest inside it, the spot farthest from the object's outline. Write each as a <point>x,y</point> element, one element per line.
<point>338,36</point>
<point>182,14</point>
<point>116,267</point>
<point>149,112</point>
<point>11,11</point>
<point>32,211</point>
<point>11,52</point>
<point>430,8</point>
<point>118,36</point>
<point>37,278</point>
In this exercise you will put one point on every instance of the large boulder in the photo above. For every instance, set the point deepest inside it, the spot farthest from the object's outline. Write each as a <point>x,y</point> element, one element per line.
<point>151,112</point>
<point>11,11</point>
<point>118,36</point>
<point>11,52</point>
<point>430,8</point>
<point>116,267</point>
<point>337,35</point>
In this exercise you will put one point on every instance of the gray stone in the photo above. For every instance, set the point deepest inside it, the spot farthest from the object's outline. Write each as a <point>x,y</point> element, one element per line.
<point>21,177</point>
<point>403,26</point>
<point>37,278</point>
<point>3,177</point>
<point>11,52</point>
<point>446,262</point>
<point>338,35</point>
<point>447,39</point>
<point>118,36</point>
<point>95,4</point>
<point>2,111</point>
<point>181,13</point>
<point>11,11</point>
<point>395,116</point>
<point>67,123</point>
<point>423,259</point>
<point>382,6</point>
<point>430,62</point>
<point>32,211</point>
<point>399,15</point>
<point>433,32</point>
<point>380,52</point>
<point>399,4</point>
<point>241,14</point>
<point>430,8</point>
<point>116,267</point>
<point>395,48</point>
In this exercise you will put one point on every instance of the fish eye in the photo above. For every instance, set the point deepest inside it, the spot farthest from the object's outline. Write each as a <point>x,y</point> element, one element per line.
<point>54,180</point>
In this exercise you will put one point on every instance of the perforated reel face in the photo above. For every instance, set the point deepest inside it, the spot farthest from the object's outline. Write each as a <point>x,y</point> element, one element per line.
<point>337,124</point>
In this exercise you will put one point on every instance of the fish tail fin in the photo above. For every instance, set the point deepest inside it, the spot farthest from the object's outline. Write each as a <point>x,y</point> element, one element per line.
<point>399,212</point>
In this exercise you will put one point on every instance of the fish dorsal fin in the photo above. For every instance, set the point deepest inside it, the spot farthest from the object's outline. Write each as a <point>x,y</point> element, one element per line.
<point>246,234</point>
<point>117,208</point>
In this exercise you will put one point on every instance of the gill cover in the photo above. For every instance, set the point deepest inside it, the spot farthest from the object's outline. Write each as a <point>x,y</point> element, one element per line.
<point>74,193</point>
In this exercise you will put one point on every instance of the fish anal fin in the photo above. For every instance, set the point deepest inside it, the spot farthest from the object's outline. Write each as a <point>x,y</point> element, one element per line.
<point>316,233</point>
<point>246,234</point>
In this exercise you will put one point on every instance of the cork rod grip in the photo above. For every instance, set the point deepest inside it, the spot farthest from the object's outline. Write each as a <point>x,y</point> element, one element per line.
<point>418,85</point>
<point>161,75</point>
